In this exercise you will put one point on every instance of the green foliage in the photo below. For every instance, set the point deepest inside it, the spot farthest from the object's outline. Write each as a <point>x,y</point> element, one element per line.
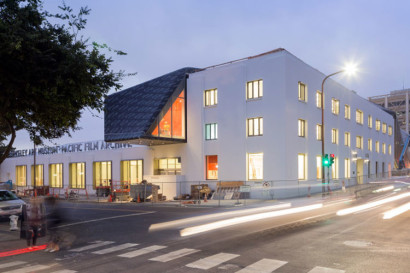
<point>48,74</point>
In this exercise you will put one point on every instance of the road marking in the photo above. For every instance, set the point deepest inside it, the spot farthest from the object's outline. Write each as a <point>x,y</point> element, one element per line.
<point>133,210</point>
<point>12,264</point>
<point>319,269</point>
<point>141,251</point>
<point>263,266</point>
<point>115,248</point>
<point>174,255</point>
<point>28,269</point>
<point>212,261</point>
<point>64,271</point>
<point>106,218</point>
<point>95,245</point>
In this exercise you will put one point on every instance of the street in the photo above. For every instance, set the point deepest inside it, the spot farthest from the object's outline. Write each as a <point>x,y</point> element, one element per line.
<point>138,238</point>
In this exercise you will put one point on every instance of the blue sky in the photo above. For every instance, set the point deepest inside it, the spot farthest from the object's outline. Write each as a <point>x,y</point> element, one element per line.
<point>162,36</point>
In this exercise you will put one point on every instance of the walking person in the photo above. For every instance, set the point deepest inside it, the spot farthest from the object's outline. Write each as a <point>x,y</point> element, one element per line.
<point>33,222</point>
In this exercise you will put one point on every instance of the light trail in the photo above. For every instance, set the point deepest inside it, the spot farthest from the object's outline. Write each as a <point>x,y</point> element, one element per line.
<point>396,211</point>
<point>244,219</point>
<point>372,204</point>
<point>384,189</point>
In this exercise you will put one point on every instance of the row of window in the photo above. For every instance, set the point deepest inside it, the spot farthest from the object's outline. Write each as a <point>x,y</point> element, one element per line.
<point>254,128</point>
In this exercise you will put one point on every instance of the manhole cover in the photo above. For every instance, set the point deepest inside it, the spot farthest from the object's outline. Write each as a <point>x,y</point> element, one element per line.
<point>358,243</point>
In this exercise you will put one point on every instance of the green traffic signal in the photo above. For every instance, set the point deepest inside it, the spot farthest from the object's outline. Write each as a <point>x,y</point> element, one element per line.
<point>326,161</point>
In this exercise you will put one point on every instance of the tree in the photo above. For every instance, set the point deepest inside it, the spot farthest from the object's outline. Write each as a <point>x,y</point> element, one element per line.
<point>47,73</point>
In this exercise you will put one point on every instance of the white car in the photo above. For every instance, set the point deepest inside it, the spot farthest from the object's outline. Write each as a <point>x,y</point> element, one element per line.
<point>10,204</point>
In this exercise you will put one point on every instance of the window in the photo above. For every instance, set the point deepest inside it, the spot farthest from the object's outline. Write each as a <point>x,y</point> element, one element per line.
<point>302,92</point>
<point>55,172</point>
<point>302,167</point>
<point>211,167</point>
<point>359,117</point>
<point>255,126</point>
<point>384,128</point>
<point>318,131</point>
<point>347,111</point>
<point>370,121</point>
<point>369,144</point>
<point>102,174</point>
<point>318,167</point>
<point>211,97</point>
<point>167,166</point>
<point>335,169</point>
<point>39,181</point>
<point>359,142</point>
<point>211,131</point>
<point>334,136</point>
<point>390,130</point>
<point>377,125</point>
<point>389,149</point>
<point>319,99</point>
<point>255,166</point>
<point>384,148</point>
<point>254,89</point>
<point>77,175</point>
<point>21,176</point>
<point>302,128</point>
<point>377,148</point>
<point>347,168</point>
<point>131,171</point>
<point>347,139</point>
<point>335,106</point>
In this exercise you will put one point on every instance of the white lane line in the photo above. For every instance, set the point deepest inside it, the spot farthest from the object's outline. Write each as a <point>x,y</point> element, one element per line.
<point>97,244</point>
<point>28,269</point>
<point>106,218</point>
<point>319,269</point>
<point>141,251</point>
<point>115,248</point>
<point>263,266</point>
<point>11,264</point>
<point>212,261</point>
<point>64,271</point>
<point>174,255</point>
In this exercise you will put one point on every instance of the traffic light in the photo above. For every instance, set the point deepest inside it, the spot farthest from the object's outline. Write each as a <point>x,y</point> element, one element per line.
<point>326,161</point>
<point>332,159</point>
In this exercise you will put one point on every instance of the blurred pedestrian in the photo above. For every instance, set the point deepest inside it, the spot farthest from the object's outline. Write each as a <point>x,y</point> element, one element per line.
<point>54,218</point>
<point>33,223</point>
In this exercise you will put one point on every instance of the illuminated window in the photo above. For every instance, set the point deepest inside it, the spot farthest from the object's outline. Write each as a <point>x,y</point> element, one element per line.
<point>211,131</point>
<point>167,166</point>
<point>335,106</point>
<point>21,176</point>
<point>377,125</point>
<point>347,111</point>
<point>370,121</point>
<point>347,139</point>
<point>335,137</point>
<point>318,99</point>
<point>384,128</point>
<point>211,167</point>
<point>335,169</point>
<point>347,168</point>
<point>211,97</point>
<point>55,172</point>
<point>389,149</point>
<point>369,144</point>
<point>302,167</point>
<point>318,132</point>
<point>77,175</point>
<point>255,126</point>
<point>301,128</point>
<point>255,166</point>
<point>359,117</point>
<point>359,142</point>
<point>131,171</point>
<point>302,94</point>
<point>254,89</point>
<point>377,147</point>
<point>319,167</point>
<point>102,173</point>
<point>39,176</point>
<point>390,130</point>
<point>384,148</point>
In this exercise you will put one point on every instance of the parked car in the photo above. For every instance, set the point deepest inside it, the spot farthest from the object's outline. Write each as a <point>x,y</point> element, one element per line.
<point>10,204</point>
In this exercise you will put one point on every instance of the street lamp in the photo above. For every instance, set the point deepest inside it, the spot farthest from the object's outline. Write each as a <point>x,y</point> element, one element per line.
<point>349,69</point>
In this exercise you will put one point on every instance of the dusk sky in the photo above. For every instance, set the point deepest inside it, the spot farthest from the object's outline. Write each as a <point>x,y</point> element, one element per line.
<point>162,36</point>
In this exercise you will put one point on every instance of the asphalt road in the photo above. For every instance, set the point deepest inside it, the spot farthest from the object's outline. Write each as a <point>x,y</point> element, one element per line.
<point>117,238</point>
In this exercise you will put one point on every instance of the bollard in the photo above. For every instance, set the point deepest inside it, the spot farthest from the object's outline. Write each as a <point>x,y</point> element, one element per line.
<point>13,222</point>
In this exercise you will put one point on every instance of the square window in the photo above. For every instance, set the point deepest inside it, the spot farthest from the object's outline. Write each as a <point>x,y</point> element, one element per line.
<point>254,89</point>
<point>359,116</point>
<point>211,97</point>
<point>211,131</point>
<point>359,142</point>
<point>335,106</point>
<point>255,126</point>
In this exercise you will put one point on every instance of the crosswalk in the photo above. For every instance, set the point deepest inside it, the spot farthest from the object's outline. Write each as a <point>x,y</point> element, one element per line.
<point>162,254</point>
